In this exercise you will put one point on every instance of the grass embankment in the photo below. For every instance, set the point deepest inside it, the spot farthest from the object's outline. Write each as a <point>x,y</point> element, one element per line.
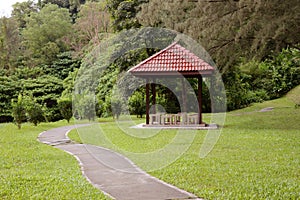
<point>32,170</point>
<point>256,157</point>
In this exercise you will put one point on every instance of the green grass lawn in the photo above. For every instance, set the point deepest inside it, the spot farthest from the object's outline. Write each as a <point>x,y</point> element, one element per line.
<point>32,170</point>
<point>256,157</point>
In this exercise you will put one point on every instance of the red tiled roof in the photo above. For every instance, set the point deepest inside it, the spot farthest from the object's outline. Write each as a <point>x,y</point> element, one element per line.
<point>174,58</point>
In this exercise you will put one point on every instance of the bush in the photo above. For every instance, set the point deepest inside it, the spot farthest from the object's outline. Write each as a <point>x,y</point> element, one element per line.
<point>237,91</point>
<point>116,106</point>
<point>65,107</point>
<point>259,81</point>
<point>137,104</point>
<point>18,111</point>
<point>284,72</point>
<point>85,106</point>
<point>34,111</point>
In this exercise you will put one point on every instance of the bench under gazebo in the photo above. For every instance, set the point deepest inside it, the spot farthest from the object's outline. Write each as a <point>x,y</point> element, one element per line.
<point>174,61</point>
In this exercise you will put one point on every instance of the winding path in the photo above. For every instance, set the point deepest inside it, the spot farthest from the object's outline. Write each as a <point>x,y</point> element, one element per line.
<point>111,172</point>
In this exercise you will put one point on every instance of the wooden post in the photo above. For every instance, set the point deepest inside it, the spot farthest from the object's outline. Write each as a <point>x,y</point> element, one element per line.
<point>147,102</point>
<point>153,89</point>
<point>200,99</point>
<point>184,109</point>
<point>211,92</point>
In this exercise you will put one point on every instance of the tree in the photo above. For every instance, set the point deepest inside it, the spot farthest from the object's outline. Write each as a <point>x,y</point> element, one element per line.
<point>230,30</point>
<point>9,43</point>
<point>44,35</point>
<point>34,110</point>
<point>75,7</point>
<point>60,3</point>
<point>65,107</point>
<point>84,106</point>
<point>137,104</point>
<point>72,5</point>
<point>22,10</point>
<point>91,26</point>
<point>235,33</point>
<point>124,12</point>
<point>18,111</point>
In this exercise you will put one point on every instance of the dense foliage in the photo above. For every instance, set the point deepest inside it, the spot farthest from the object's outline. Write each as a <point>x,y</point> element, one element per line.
<point>230,29</point>
<point>254,44</point>
<point>124,13</point>
<point>7,92</point>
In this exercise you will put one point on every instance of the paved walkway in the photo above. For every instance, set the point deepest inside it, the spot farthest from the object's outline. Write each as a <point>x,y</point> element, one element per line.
<point>111,172</point>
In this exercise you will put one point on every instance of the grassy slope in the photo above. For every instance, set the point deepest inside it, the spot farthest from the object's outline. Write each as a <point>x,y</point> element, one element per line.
<point>31,170</point>
<point>256,157</point>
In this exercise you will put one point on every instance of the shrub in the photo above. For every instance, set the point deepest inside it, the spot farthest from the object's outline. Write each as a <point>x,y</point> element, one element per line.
<point>284,72</point>
<point>34,111</point>
<point>18,111</point>
<point>260,81</point>
<point>85,106</point>
<point>116,106</point>
<point>65,107</point>
<point>137,104</point>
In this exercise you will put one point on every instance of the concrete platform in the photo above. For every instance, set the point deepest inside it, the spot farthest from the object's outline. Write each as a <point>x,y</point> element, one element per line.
<point>112,173</point>
<point>178,126</point>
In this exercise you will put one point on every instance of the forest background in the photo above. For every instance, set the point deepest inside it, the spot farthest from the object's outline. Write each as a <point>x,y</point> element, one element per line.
<point>255,45</point>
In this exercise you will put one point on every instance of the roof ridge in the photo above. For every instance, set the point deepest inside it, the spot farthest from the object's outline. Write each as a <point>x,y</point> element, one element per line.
<point>153,56</point>
<point>173,58</point>
<point>191,54</point>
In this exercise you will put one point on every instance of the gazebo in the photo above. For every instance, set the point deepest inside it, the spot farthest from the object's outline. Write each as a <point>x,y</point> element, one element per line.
<point>172,62</point>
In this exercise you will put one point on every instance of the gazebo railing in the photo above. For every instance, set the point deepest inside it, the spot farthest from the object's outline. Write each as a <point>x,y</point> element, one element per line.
<point>174,119</point>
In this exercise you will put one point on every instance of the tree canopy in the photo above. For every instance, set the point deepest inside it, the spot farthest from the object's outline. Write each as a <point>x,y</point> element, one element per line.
<point>230,29</point>
<point>44,34</point>
<point>124,13</point>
